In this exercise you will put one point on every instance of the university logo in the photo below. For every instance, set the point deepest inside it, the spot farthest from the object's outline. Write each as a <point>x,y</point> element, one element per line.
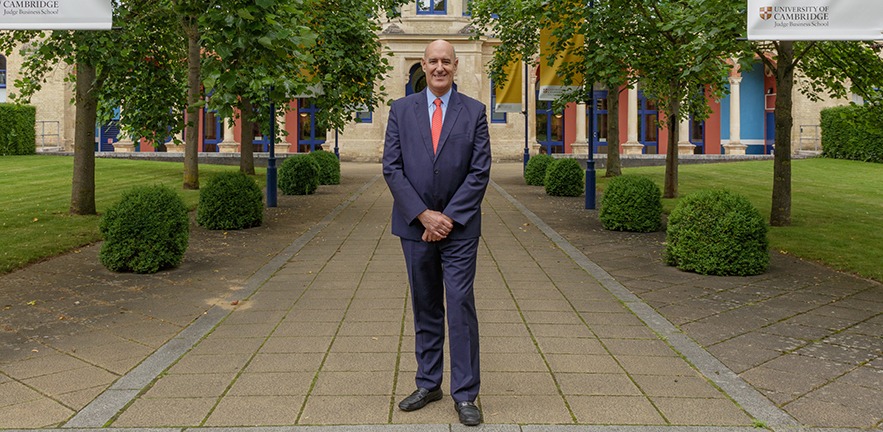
<point>766,12</point>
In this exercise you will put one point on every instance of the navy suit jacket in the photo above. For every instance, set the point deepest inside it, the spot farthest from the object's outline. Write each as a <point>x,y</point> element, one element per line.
<point>453,181</point>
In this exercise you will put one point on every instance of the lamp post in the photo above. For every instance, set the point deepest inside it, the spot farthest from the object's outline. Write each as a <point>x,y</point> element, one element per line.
<point>271,161</point>
<point>590,162</point>
<point>526,117</point>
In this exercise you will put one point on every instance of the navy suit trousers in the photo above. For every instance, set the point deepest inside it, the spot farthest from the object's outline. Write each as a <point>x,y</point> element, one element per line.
<point>442,272</point>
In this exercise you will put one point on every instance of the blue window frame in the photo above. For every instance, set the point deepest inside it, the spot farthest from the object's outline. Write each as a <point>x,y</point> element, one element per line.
<point>261,142</point>
<point>496,117</point>
<point>697,135</point>
<point>212,130</point>
<point>2,71</point>
<point>550,128</point>
<point>364,117</point>
<point>432,7</point>
<point>599,137</point>
<point>648,124</point>
<point>309,138</point>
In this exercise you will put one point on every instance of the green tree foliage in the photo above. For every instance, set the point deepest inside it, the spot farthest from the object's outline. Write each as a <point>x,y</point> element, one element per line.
<point>350,72</point>
<point>255,53</point>
<point>676,50</point>
<point>107,64</point>
<point>682,50</point>
<point>835,68</point>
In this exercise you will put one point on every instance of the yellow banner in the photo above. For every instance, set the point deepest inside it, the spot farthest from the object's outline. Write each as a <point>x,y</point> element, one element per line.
<point>508,94</point>
<point>551,84</point>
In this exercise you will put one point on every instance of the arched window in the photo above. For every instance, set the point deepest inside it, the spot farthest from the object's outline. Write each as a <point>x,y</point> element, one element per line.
<point>416,80</point>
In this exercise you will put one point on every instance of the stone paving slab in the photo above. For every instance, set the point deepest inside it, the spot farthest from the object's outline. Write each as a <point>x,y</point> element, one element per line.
<point>322,340</point>
<point>275,371</point>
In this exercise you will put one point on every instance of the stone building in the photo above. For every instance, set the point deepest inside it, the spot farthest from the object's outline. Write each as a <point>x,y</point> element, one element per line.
<point>742,122</point>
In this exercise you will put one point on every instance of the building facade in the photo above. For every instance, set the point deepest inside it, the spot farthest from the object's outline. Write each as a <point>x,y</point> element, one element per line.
<point>740,123</point>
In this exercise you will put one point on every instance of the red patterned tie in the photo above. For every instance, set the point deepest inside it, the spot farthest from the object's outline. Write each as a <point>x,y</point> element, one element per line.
<point>436,124</point>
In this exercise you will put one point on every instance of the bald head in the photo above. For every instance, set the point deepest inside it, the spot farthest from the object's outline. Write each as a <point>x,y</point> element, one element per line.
<point>439,44</point>
<point>440,65</point>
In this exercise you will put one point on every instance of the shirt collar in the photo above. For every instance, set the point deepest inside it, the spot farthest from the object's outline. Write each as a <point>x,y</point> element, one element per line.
<point>430,97</point>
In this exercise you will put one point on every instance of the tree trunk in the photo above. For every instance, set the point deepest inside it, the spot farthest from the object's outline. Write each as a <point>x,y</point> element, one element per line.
<point>614,165</point>
<point>246,158</point>
<point>191,138</point>
<point>671,154</point>
<point>780,213</point>
<point>83,185</point>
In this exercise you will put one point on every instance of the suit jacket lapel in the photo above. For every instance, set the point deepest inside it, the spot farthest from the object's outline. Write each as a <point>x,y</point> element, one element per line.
<point>454,106</point>
<point>423,123</point>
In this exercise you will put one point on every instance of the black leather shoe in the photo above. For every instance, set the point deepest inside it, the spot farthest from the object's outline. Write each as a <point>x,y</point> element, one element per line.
<point>419,399</point>
<point>470,415</point>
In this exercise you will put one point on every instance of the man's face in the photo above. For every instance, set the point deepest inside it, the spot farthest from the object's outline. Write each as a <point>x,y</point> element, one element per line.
<point>440,65</point>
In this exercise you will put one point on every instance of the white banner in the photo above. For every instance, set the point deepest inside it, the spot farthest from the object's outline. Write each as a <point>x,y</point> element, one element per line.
<point>815,19</point>
<point>56,14</point>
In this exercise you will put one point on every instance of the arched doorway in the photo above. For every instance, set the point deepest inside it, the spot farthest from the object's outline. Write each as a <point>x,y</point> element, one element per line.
<point>416,80</point>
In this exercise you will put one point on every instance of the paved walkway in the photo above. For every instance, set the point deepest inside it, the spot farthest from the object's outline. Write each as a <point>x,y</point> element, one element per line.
<point>322,336</point>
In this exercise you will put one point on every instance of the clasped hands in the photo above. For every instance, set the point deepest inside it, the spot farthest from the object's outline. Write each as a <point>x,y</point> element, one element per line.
<point>437,224</point>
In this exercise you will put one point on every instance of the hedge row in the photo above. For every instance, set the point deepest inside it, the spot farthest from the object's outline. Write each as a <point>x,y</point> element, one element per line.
<point>853,132</point>
<point>18,135</point>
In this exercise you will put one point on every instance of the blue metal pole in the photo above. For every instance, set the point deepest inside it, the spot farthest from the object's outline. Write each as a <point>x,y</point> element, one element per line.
<point>590,162</point>
<point>271,161</point>
<point>526,118</point>
<point>336,149</point>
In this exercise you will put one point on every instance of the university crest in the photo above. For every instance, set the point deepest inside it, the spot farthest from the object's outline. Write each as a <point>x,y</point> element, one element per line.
<point>766,12</point>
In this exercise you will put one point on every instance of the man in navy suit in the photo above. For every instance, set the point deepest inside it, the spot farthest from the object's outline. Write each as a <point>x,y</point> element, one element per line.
<point>436,161</point>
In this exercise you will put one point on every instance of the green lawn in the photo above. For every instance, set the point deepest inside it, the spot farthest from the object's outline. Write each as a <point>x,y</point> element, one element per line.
<point>35,197</point>
<point>836,206</point>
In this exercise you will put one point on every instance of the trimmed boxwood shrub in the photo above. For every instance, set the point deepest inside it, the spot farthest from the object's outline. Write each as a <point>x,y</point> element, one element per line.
<point>564,177</point>
<point>631,203</point>
<point>717,232</point>
<point>17,130</point>
<point>299,175</point>
<point>535,171</point>
<point>230,201</point>
<point>329,167</point>
<point>853,132</point>
<point>147,231</point>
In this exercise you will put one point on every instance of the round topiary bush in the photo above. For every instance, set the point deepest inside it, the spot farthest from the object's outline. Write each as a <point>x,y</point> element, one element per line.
<point>147,231</point>
<point>631,203</point>
<point>230,201</point>
<point>329,167</point>
<point>535,171</point>
<point>299,175</point>
<point>564,177</point>
<point>717,232</point>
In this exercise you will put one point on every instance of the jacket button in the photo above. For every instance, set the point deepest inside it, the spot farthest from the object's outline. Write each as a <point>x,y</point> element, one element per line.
<point>436,172</point>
